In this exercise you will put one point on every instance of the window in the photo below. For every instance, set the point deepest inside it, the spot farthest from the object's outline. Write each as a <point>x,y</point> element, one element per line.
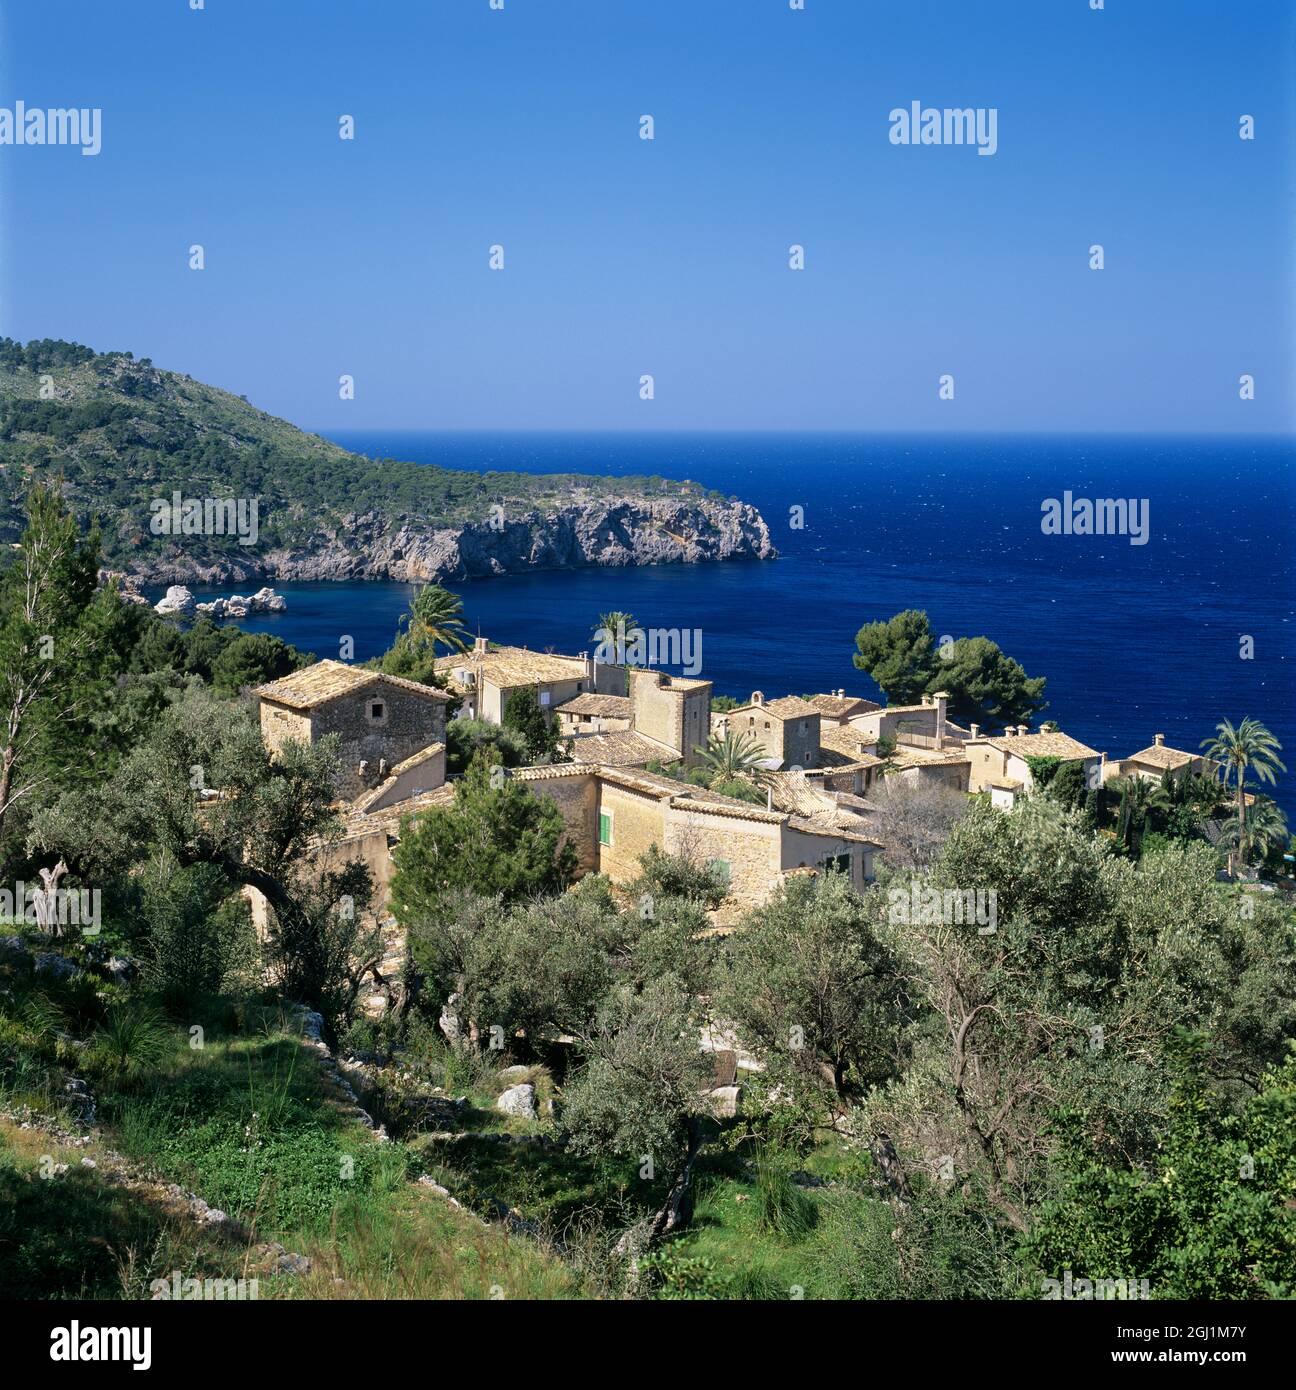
<point>605,827</point>
<point>376,712</point>
<point>580,686</point>
<point>544,698</point>
<point>838,863</point>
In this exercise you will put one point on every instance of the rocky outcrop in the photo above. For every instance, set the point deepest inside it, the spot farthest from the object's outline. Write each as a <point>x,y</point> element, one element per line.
<point>236,606</point>
<point>177,599</point>
<point>625,531</point>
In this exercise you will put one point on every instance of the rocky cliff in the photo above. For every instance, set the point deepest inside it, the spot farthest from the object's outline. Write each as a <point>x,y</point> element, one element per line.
<point>124,437</point>
<point>613,533</point>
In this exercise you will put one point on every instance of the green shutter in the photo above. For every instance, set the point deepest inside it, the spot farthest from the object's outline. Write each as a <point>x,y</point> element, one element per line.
<point>605,828</point>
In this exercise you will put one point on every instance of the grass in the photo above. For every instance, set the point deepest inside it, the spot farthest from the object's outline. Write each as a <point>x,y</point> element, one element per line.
<point>247,1121</point>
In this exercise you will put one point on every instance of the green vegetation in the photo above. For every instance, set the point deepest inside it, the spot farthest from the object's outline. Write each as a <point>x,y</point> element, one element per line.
<point>119,432</point>
<point>983,684</point>
<point>1047,1042</point>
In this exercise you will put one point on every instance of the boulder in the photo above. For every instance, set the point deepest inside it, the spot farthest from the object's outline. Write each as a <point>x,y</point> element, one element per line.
<point>178,599</point>
<point>267,601</point>
<point>50,963</point>
<point>514,1075</point>
<point>520,1101</point>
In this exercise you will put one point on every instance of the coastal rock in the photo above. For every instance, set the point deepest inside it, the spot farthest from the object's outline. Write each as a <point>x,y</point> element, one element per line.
<point>236,606</point>
<point>587,533</point>
<point>178,599</point>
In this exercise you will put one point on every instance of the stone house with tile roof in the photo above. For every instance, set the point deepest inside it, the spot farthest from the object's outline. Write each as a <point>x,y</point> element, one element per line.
<point>594,714</point>
<point>1002,758</point>
<point>1153,762</point>
<point>921,725</point>
<point>380,720</point>
<point>838,708</point>
<point>613,815</point>
<point>487,676</point>
<point>786,728</point>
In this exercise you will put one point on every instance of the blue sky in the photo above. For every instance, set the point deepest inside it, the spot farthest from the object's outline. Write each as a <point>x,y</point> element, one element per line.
<point>669,257</point>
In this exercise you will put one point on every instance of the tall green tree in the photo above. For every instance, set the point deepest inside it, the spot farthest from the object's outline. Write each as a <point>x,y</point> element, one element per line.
<point>524,715</point>
<point>900,655</point>
<point>435,620</point>
<point>983,684</point>
<point>986,685</point>
<point>812,984</point>
<point>1254,838</point>
<point>497,840</point>
<point>51,639</point>
<point>1249,748</point>
<point>612,634</point>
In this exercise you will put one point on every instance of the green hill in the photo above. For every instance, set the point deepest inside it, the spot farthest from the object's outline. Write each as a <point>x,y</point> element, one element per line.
<point>121,432</point>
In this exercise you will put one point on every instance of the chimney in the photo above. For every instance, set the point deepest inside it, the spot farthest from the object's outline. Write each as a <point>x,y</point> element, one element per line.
<point>1021,730</point>
<point>974,730</point>
<point>926,699</point>
<point>841,694</point>
<point>1159,739</point>
<point>942,700</point>
<point>758,697</point>
<point>479,647</point>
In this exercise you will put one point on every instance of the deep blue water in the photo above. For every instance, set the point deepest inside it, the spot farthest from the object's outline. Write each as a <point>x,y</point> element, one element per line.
<point>1134,640</point>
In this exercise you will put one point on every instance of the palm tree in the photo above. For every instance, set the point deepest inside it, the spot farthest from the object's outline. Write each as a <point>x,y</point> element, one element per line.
<point>1254,837</point>
<point>436,619</point>
<point>1140,799</point>
<point>733,757</point>
<point>1252,747</point>
<point>612,630</point>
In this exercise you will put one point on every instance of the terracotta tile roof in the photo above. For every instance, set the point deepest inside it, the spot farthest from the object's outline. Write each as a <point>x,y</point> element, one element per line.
<point>786,707</point>
<point>925,757</point>
<point>838,829</point>
<point>1158,755</point>
<point>1006,784</point>
<point>850,743</point>
<point>366,799</point>
<point>1050,745</point>
<point>620,748</point>
<point>816,811</point>
<point>842,706</point>
<point>360,822</point>
<point>510,667</point>
<point>608,706</point>
<point>327,680</point>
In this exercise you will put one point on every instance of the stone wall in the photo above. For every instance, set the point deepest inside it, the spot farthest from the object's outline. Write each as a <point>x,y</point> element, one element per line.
<point>678,716</point>
<point>750,848</point>
<point>280,726</point>
<point>408,723</point>
<point>638,821</point>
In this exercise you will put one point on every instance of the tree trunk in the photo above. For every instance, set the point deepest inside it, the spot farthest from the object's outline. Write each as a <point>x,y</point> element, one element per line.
<point>677,1210</point>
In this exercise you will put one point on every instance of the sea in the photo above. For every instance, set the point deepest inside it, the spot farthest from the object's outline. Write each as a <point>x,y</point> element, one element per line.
<point>1164,632</point>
